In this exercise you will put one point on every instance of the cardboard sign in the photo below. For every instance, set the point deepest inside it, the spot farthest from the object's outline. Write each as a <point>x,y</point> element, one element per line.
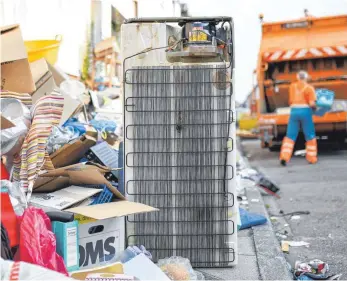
<point>15,69</point>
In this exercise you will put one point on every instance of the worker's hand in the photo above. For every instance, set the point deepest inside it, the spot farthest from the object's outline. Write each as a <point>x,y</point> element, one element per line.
<point>314,107</point>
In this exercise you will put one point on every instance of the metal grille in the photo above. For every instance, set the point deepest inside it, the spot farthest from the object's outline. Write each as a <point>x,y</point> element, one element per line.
<point>177,140</point>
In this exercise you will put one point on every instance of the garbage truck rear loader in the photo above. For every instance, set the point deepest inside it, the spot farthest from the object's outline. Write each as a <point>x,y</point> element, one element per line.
<point>316,45</point>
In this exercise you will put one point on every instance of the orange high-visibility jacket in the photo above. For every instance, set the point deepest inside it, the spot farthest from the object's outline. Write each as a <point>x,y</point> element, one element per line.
<point>301,94</point>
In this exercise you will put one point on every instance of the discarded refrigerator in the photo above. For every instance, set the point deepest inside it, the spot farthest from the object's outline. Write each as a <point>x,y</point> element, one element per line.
<point>179,133</point>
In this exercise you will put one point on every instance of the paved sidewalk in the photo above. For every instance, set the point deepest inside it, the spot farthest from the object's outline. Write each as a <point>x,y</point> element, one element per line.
<point>259,253</point>
<point>319,189</point>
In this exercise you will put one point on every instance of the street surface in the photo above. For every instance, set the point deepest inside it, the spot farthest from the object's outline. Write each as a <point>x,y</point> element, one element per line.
<point>320,189</point>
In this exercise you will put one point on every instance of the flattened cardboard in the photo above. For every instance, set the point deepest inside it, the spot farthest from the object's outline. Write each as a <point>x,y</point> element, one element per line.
<point>50,184</point>
<point>80,174</point>
<point>5,123</point>
<point>112,210</point>
<point>64,198</point>
<point>15,69</point>
<point>43,79</point>
<point>38,69</point>
<point>71,153</point>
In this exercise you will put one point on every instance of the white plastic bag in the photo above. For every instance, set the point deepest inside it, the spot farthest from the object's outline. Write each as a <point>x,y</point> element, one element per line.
<point>12,138</point>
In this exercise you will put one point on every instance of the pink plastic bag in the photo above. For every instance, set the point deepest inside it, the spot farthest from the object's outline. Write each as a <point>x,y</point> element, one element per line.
<point>37,243</point>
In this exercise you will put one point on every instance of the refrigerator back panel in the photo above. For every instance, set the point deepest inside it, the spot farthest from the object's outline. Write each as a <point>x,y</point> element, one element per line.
<point>179,158</point>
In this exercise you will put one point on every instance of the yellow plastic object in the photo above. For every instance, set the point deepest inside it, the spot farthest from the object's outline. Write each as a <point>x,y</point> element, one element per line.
<point>47,49</point>
<point>248,123</point>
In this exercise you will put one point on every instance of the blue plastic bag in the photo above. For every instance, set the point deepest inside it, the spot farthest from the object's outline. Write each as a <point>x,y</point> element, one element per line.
<point>76,125</point>
<point>250,219</point>
<point>324,102</point>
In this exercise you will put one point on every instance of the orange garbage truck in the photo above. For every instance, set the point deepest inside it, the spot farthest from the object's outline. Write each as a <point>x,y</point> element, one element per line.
<point>317,45</point>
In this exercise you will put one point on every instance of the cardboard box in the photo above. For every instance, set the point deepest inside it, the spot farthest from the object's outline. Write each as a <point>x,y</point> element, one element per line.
<point>15,69</point>
<point>43,79</point>
<point>71,153</point>
<point>67,243</point>
<point>102,227</point>
<point>102,239</point>
<point>46,84</point>
<point>78,174</point>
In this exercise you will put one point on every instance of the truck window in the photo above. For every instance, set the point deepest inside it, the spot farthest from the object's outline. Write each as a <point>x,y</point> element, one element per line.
<point>281,67</point>
<point>270,71</point>
<point>328,63</point>
<point>303,64</point>
<point>294,66</point>
<point>314,64</point>
<point>340,62</point>
<point>320,64</point>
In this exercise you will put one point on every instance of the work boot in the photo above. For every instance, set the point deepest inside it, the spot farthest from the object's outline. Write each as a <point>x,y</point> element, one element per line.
<point>286,150</point>
<point>311,151</point>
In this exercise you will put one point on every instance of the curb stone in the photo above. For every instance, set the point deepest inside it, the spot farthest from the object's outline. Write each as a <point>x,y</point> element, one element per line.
<point>271,261</point>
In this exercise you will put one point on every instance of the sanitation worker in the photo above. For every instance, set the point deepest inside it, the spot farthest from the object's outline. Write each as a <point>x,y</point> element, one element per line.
<point>302,101</point>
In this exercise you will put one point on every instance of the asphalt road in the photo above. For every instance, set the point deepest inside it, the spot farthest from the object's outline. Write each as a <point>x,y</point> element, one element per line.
<point>320,189</point>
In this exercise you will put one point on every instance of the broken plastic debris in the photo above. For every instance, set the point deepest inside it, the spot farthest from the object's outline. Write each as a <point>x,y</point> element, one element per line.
<point>282,236</point>
<point>285,246</point>
<point>298,243</point>
<point>295,218</point>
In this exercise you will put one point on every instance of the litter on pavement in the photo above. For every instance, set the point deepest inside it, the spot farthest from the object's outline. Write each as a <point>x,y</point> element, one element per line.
<point>313,270</point>
<point>293,218</point>
<point>249,219</point>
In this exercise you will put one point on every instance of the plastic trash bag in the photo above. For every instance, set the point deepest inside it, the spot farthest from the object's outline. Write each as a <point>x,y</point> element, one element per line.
<point>78,127</point>
<point>178,268</point>
<point>12,138</point>
<point>59,137</point>
<point>72,88</point>
<point>17,196</point>
<point>10,270</point>
<point>103,125</point>
<point>37,242</point>
<point>131,252</point>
